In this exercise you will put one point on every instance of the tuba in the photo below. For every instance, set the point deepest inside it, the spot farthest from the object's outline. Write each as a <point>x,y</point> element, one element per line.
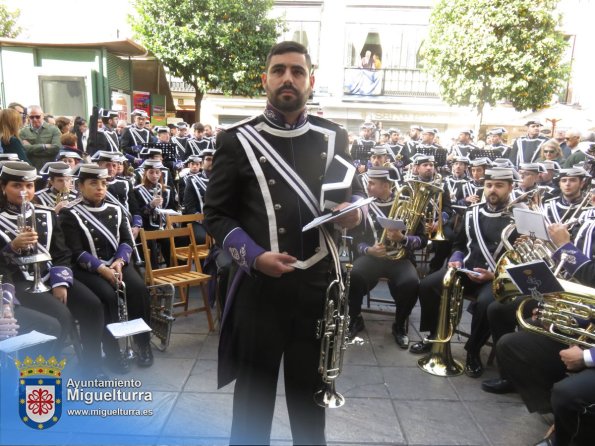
<point>410,204</point>
<point>439,361</point>
<point>333,334</point>
<point>31,256</point>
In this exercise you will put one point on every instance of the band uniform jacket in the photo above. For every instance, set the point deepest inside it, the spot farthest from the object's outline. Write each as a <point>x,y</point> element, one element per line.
<point>48,196</point>
<point>97,235</point>
<point>251,207</point>
<point>196,146</point>
<point>121,192</point>
<point>525,149</point>
<point>107,140</point>
<point>480,245</point>
<point>51,241</point>
<point>151,218</point>
<point>195,190</point>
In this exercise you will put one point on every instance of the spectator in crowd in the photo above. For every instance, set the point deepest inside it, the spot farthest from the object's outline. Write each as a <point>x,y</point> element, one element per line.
<point>41,140</point>
<point>64,124</point>
<point>550,151</point>
<point>81,131</point>
<point>50,119</point>
<point>21,109</point>
<point>121,126</point>
<point>68,142</point>
<point>10,123</point>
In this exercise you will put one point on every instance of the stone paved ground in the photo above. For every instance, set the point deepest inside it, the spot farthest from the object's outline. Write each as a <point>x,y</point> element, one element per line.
<point>390,401</point>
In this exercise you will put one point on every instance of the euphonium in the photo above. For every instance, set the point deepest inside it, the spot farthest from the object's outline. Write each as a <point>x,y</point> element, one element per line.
<point>31,256</point>
<point>439,361</point>
<point>61,196</point>
<point>409,205</point>
<point>333,331</point>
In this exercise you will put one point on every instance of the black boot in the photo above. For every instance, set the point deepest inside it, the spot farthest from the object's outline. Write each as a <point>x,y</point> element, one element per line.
<point>473,366</point>
<point>400,335</point>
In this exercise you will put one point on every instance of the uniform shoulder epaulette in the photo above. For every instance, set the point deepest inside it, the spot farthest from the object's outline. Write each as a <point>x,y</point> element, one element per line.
<point>73,203</point>
<point>241,122</point>
<point>44,207</point>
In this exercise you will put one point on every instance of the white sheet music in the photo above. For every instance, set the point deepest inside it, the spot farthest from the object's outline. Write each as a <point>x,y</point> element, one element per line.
<point>23,341</point>
<point>531,223</point>
<point>123,329</point>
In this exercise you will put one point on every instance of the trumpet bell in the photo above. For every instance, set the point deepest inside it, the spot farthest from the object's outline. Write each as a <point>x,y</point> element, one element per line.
<point>329,398</point>
<point>38,287</point>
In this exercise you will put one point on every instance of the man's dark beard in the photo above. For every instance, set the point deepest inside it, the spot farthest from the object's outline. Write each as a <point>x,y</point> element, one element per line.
<point>295,104</point>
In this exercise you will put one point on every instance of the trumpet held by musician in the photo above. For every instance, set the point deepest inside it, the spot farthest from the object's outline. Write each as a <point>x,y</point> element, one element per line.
<point>60,189</point>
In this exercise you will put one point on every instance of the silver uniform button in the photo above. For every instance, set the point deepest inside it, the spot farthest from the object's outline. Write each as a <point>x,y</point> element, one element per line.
<point>262,160</point>
<point>282,230</point>
<point>323,155</point>
<point>326,137</point>
<point>272,182</point>
<point>277,206</point>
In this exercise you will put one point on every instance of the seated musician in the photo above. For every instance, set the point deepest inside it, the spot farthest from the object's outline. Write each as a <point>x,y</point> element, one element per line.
<point>195,189</point>
<point>66,297</point>
<point>379,157</point>
<point>374,263</point>
<point>192,166</point>
<point>496,142</point>
<point>151,195</point>
<point>70,157</point>
<point>571,183</point>
<point>546,179</point>
<point>134,136</point>
<point>476,248</point>
<point>60,188</point>
<point>101,244</point>
<point>529,173</point>
<point>549,375</point>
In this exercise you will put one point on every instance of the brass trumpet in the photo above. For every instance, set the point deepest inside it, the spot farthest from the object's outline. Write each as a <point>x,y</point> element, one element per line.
<point>122,301</point>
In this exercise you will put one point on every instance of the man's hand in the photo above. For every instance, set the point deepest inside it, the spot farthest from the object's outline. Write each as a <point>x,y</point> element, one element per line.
<point>61,293</point>
<point>485,275</point>
<point>472,199</point>
<point>274,264</point>
<point>573,358</point>
<point>559,234</point>
<point>395,235</point>
<point>350,220</point>
<point>107,274</point>
<point>24,240</point>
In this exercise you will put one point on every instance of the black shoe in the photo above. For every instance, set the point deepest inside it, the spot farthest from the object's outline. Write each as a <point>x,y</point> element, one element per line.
<point>473,366</point>
<point>118,364</point>
<point>497,385</point>
<point>356,324</point>
<point>400,335</point>
<point>421,347</point>
<point>145,355</point>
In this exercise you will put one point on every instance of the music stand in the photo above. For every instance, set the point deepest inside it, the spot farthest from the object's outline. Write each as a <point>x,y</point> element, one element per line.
<point>492,154</point>
<point>168,150</point>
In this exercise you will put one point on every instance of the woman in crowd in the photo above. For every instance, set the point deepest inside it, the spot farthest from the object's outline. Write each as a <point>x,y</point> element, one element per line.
<point>550,151</point>
<point>66,297</point>
<point>99,237</point>
<point>10,125</point>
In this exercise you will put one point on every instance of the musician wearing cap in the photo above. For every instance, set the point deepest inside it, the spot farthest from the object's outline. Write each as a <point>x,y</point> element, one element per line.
<point>363,145</point>
<point>135,136</point>
<point>195,192</point>
<point>400,153</point>
<point>526,148</point>
<point>458,178</point>
<point>152,194</point>
<point>563,207</point>
<point>379,157</point>
<point>464,145</point>
<point>180,139</point>
<point>101,245</point>
<point>550,376</point>
<point>106,137</point>
<point>477,248</point>
<point>496,142</point>
<point>60,188</point>
<point>372,261</point>
<point>428,146</point>
<point>69,157</point>
<point>198,143</point>
<point>529,175</point>
<point>473,189</point>
<point>67,298</point>
<point>192,166</point>
<point>546,179</point>
<point>272,174</point>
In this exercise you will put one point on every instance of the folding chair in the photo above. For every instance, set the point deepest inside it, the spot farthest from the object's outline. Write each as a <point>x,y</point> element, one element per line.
<point>180,276</point>
<point>181,252</point>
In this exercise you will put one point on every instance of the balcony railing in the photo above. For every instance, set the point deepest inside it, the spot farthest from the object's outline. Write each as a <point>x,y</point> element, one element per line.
<point>388,82</point>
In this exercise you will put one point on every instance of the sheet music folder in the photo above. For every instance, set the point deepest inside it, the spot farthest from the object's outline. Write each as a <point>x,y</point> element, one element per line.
<point>325,218</point>
<point>534,278</point>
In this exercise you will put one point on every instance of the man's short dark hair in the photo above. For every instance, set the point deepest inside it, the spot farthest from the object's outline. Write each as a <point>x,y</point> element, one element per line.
<point>198,127</point>
<point>288,47</point>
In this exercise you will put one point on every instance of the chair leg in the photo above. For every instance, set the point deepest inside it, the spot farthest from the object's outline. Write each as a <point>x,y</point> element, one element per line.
<point>205,298</point>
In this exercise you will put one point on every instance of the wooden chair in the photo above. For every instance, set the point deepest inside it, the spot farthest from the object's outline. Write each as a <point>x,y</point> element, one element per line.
<point>181,252</point>
<point>180,276</point>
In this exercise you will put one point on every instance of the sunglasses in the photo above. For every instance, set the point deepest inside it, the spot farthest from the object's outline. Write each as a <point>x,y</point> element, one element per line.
<point>34,116</point>
<point>549,151</point>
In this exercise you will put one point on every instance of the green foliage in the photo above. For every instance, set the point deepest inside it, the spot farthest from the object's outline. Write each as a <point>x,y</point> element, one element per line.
<point>211,44</point>
<point>8,22</point>
<point>484,51</point>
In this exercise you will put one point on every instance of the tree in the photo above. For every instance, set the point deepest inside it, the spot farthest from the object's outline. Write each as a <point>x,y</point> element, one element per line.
<point>484,51</point>
<point>211,44</point>
<point>8,22</point>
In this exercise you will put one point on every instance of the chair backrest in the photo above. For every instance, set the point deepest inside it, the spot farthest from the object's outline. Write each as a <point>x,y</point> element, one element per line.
<point>170,220</point>
<point>171,235</point>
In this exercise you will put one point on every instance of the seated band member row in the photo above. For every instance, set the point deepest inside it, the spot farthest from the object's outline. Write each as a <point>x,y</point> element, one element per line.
<point>100,239</point>
<point>67,298</point>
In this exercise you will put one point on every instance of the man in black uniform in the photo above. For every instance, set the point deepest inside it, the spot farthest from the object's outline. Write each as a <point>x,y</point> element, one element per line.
<point>135,136</point>
<point>265,186</point>
<point>195,145</point>
<point>571,182</point>
<point>181,139</point>
<point>497,143</point>
<point>477,248</point>
<point>538,365</point>
<point>363,145</point>
<point>526,148</point>
<point>464,145</point>
<point>106,137</point>
<point>374,261</point>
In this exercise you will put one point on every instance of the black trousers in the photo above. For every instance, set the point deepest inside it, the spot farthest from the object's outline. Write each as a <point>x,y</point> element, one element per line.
<point>83,304</point>
<point>275,318</point>
<point>532,362</point>
<point>403,283</point>
<point>137,297</point>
